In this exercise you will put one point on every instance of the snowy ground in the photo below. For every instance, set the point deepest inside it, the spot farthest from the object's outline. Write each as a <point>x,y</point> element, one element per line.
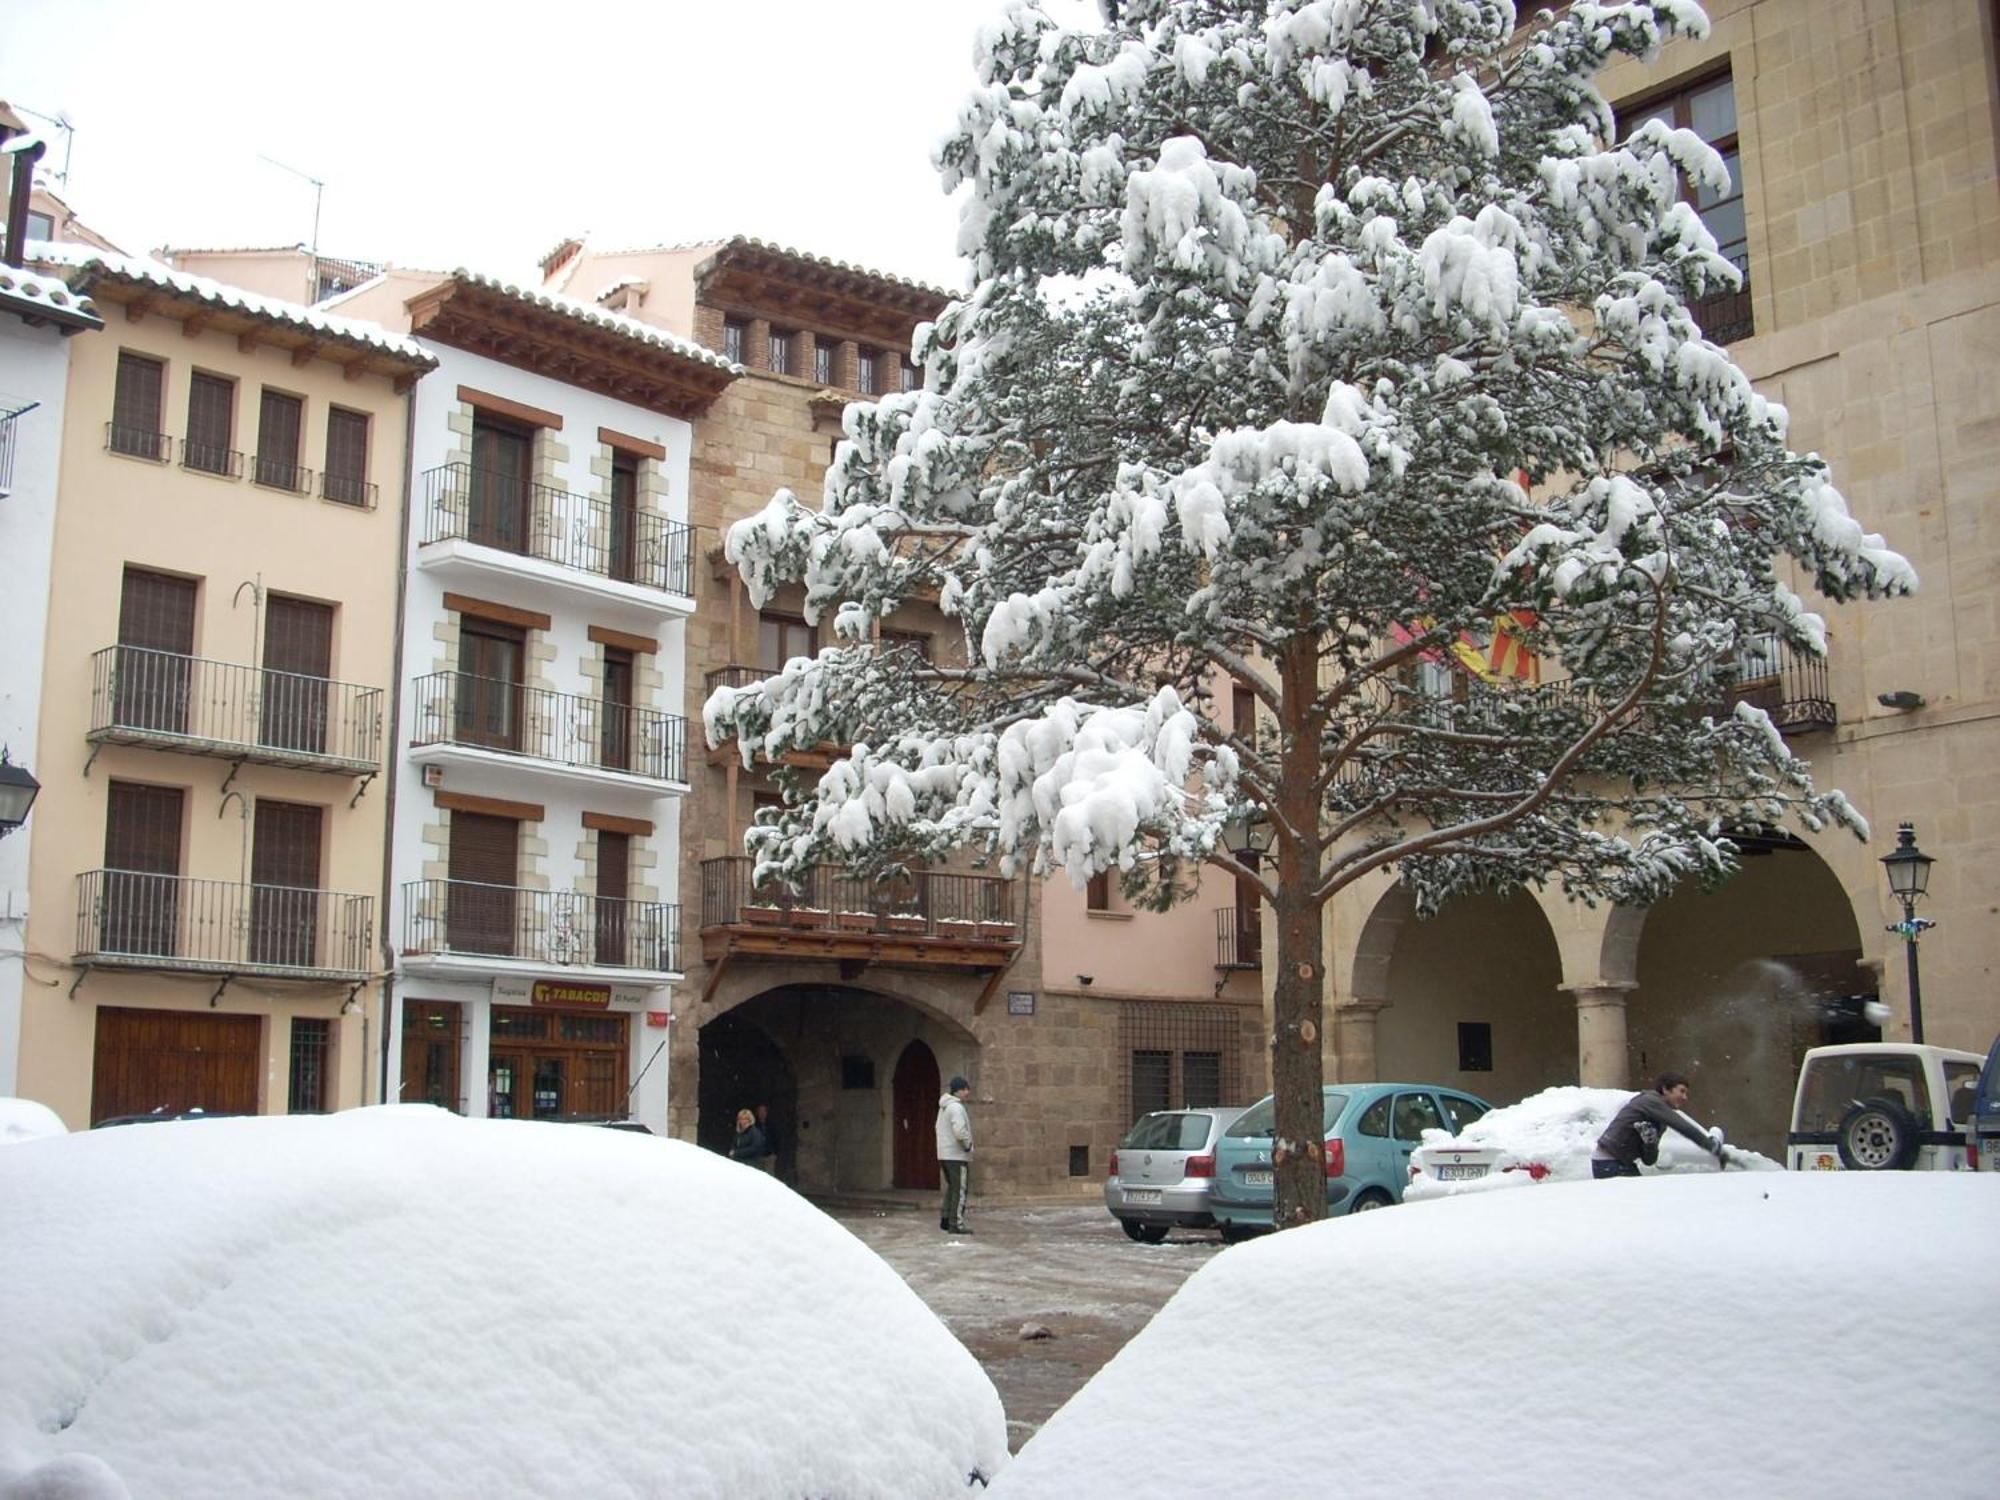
<point>392,1302</point>
<point>1069,1270</point>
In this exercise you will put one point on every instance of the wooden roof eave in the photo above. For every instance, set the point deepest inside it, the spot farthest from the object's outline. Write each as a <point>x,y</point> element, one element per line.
<point>529,336</point>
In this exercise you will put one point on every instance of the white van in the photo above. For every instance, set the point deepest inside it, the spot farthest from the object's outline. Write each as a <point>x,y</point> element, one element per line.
<point>1885,1107</point>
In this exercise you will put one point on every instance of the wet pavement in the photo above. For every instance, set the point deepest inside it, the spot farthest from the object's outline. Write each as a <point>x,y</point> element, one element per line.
<point>1065,1269</point>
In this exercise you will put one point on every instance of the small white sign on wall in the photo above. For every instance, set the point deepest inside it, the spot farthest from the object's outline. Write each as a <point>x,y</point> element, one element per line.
<point>1020,1002</point>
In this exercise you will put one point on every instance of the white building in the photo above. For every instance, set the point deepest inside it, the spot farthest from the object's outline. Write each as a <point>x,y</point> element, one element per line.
<point>38,316</point>
<point>540,761</point>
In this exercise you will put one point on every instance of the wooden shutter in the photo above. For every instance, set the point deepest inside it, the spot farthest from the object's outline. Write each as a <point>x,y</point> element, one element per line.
<point>624,557</point>
<point>156,639</point>
<point>298,659</point>
<point>346,456</point>
<point>135,406</point>
<point>279,420</point>
<point>615,745</point>
<point>142,861</point>
<point>614,875</point>
<point>284,875</point>
<point>211,423</point>
<point>485,863</point>
<point>502,458</point>
<point>488,705</point>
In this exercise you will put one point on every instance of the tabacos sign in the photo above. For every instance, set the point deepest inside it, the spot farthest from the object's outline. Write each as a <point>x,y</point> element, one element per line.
<point>553,992</point>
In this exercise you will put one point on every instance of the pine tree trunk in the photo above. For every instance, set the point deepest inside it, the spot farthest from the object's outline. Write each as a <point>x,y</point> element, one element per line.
<point>1298,1071</point>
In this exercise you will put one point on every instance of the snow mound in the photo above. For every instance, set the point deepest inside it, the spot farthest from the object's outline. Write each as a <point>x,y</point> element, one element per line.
<point>1733,1329</point>
<point>25,1120</point>
<point>1557,1129</point>
<point>395,1301</point>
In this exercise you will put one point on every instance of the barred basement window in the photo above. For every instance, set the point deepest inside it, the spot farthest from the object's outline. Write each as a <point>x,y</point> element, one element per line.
<point>312,1044</point>
<point>735,339</point>
<point>1079,1161</point>
<point>1179,1056</point>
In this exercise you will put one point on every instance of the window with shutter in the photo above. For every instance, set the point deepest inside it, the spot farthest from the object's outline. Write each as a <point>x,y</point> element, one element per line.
<point>491,657</point>
<point>142,861</point>
<point>345,477</point>
<point>781,351</point>
<point>298,660</point>
<point>135,407</point>
<point>823,361</point>
<point>624,557</point>
<point>502,460</point>
<point>211,425</point>
<point>284,880</point>
<point>484,865</point>
<point>614,874</point>
<point>780,638</point>
<point>615,745</point>
<point>865,376</point>
<point>735,339</point>
<point>280,423</point>
<point>155,649</point>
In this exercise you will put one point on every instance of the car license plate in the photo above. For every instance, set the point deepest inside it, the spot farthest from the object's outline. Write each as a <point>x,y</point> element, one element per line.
<point>1460,1172</point>
<point>1256,1179</point>
<point>1142,1195</point>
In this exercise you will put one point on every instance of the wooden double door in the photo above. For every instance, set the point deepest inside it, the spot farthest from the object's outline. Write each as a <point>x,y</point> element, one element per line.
<point>557,1064</point>
<point>173,1061</point>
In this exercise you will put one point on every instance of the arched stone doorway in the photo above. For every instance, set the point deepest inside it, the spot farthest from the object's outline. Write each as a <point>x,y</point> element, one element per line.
<point>742,1067</point>
<point>915,1093</point>
<point>1469,997</point>
<point>841,1051</point>
<point>1736,983</point>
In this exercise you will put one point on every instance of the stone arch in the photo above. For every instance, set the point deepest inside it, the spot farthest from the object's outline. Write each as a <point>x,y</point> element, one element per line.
<point>1734,983</point>
<point>840,1044</point>
<point>1393,911</point>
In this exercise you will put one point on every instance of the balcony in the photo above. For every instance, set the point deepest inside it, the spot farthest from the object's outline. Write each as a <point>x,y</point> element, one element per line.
<point>458,927</point>
<point>482,525</point>
<point>1787,685</point>
<point>1239,938</point>
<point>127,920</point>
<point>737,675</point>
<point>465,720</point>
<point>921,919</point>
<point>165,701</point>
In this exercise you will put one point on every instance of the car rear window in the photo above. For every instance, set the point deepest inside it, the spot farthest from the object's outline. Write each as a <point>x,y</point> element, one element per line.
<point>1463,1111</point>
<point>1260,1120</point>
<point>1961,1090</point>
<point>1167,1132</point>
<point>1833,1084</point>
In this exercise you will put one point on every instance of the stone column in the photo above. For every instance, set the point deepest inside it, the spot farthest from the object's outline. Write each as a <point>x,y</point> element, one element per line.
<point>1601,1054</point>
<point>1354,1041</point>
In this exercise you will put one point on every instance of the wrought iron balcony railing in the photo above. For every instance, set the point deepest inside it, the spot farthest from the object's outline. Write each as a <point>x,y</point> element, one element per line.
<point>282,474</point>
<point>513,514</point>
<point>137,442</point>
<point>160,698</point>
<point>927,904</point>
<point>1789,686</point>
<point>347,489</point>
<point>128,919</point>
<point>558,928</point>
<point>736,675</point>
<point>211,458</point>
<point>459,709</point>
<point>1239,938</point>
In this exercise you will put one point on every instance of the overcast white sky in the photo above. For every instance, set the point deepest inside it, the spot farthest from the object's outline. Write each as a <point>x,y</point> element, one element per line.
<point>452,134</point>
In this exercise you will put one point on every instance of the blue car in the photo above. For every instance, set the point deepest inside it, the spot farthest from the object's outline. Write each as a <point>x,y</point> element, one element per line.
<point>1370,1130</point>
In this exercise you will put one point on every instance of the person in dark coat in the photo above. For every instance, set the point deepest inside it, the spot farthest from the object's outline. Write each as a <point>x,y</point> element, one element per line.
<point>764,1124</point>
<point>749,1148</point>
<point>1633,1136</point>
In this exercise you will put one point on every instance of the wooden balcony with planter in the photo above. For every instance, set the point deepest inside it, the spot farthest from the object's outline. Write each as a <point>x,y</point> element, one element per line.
<point>922,919</point>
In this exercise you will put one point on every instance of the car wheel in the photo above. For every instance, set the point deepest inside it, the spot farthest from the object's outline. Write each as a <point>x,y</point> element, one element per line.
<point>1877,1135</point>
<point>1373,1198</point>
<point>1134,1230</point>
<point>1235,1234</point>
<point>1150,1234</point>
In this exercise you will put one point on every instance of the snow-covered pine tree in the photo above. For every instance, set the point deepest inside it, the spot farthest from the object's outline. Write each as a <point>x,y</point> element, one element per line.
<point>1306,339</point>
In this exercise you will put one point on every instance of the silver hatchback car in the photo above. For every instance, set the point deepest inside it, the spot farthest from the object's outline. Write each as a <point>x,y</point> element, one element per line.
<point>1162,1171</point>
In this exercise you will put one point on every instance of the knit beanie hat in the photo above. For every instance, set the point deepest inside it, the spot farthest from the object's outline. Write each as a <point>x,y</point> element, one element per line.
<point>957,1083</point>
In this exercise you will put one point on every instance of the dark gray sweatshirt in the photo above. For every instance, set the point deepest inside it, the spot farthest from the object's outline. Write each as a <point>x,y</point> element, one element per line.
<point>1634,1132</point>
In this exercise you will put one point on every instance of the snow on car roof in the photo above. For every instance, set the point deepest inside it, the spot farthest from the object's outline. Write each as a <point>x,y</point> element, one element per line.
<point>25,1120</point>
<point>1567,1341</point>
<point>397,1301</point>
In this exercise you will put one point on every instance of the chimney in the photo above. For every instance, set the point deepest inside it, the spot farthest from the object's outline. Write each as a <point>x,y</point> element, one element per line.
<point>23,152</point>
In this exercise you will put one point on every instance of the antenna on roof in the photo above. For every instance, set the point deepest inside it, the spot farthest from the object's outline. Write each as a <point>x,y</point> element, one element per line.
<point>60,119</point>
<point>319,190</point>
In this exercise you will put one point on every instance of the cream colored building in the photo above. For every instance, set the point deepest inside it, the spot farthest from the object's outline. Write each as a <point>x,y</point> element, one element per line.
<point>206,923</point>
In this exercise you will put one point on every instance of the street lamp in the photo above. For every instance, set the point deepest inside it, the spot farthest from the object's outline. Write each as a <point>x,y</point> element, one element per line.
<point>17,794</point>
<point>1251,835</point>
<point>1909,875</point>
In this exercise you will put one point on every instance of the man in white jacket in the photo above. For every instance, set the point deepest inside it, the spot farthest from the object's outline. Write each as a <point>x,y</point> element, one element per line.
<point>954,1150</point>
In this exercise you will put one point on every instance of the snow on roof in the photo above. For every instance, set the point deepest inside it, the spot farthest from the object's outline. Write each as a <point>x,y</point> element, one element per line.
<point>1560,1341</point>
<point>771,247</point>
<point>583,312</point>
<point>90,262</point>
<point>510,1308</point>
<point>621,284</point>
<point>32,286</point>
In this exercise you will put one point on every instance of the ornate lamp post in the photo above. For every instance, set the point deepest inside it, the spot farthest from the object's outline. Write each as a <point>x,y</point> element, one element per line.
<point>1909,875</point>
<point>17,794</point>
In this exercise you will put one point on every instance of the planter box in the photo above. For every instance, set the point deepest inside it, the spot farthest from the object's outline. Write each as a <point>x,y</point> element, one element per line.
<point>896,922</point>
<point>856,921</point>
<point>762,916</point>
<point>997,932</point>
<point>809,916</point>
